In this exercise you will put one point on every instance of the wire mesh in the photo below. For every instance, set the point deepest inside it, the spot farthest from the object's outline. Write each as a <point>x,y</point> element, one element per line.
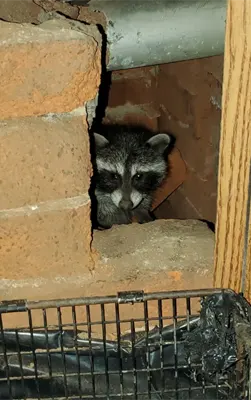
<point>117,347</point>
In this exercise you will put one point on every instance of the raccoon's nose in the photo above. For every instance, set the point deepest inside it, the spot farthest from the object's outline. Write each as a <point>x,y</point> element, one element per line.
<point>126,204</point>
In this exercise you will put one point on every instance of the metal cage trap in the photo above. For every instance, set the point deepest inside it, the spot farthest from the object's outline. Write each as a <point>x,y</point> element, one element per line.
<point>171,345</point>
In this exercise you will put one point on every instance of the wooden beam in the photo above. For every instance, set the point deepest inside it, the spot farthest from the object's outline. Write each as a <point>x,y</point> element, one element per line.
<point>235,150</point>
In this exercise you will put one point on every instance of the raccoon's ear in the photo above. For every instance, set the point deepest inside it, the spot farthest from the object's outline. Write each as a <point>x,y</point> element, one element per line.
<point>100,140</point>
<point>160,142</point>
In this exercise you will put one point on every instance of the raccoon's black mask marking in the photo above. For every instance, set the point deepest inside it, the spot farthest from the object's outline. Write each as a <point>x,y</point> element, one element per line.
<point>129,165</point>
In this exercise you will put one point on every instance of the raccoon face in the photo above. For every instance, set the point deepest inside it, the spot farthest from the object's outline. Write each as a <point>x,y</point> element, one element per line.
<point>129,168</point>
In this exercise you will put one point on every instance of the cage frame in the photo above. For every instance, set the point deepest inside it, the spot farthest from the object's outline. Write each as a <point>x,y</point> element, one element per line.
<point>125,297</point>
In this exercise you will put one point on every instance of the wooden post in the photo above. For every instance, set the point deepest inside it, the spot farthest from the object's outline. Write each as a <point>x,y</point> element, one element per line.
<point>235,151</point>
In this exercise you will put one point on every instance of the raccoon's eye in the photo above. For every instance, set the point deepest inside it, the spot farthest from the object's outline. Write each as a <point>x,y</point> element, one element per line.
<point>114,176</point>
<point>138,176</point>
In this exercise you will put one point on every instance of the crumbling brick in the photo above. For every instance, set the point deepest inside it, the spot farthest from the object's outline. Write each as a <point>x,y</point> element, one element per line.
<point>53,67</point>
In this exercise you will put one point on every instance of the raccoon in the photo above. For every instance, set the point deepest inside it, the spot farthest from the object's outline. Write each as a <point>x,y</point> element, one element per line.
<point>130,164</point>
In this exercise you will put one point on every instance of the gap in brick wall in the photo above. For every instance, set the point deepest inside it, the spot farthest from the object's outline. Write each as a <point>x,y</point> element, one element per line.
<point>183,99</point>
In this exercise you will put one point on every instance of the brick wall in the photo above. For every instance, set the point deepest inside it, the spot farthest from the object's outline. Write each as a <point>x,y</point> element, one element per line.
<point>133,97</point>
<point>48,73</point>
<point>185,99</point>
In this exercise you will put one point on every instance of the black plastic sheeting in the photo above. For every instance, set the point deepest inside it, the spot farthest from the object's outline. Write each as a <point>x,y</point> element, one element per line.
<point>206,355</point>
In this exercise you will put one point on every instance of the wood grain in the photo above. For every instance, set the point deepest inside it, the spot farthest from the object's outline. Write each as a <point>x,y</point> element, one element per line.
<point>235,148</point>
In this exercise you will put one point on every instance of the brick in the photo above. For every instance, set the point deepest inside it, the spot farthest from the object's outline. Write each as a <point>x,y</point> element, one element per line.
<point>177,206</point>
<point>21,11</point>
<point>190,74</point>
<point>53,67</point>
<point>197,131</point>
<point>138,86</point>
<point>46,240</point>
<point>202,195</point>
<point>159,246</point>
<point>135,73</point>
<point>193,96</point>
<point>214,65</point>
<point>200,153</point>
<point>195,198</point>
<point>43,158</point>
<point>176,176</point>
<point>173,98</point>
<point>144,115</point>
<point>158,256</point>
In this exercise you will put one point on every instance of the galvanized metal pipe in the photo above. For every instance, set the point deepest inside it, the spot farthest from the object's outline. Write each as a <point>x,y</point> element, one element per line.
<point>151,32</point>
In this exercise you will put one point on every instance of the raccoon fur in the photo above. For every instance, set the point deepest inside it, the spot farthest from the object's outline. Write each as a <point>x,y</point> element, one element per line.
<point>129,165</point>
